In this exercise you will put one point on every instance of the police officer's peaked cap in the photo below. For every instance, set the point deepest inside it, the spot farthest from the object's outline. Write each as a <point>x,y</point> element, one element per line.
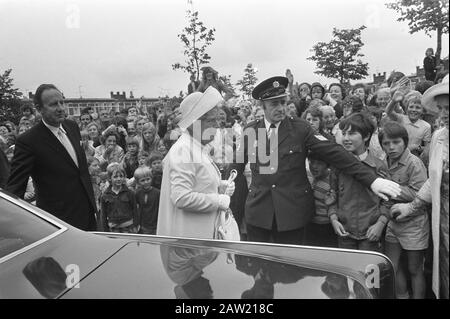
<point>271,88</point>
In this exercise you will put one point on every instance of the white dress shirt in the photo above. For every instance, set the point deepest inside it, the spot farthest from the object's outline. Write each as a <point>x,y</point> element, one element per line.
<point>61,135</point>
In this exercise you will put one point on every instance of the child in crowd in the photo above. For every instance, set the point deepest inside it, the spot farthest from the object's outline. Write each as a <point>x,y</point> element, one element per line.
<point>30,194</point>
<point>118,210</point>
<point>95,172</point>
<point>320,232</point>
<point>162,147</point>
<point>147,200</point>
<point>130,160</point>
<point>361,217</point>
<point>155,163</point>
<point>143,158</point>
<point>28,113</point>
<point>408,236</point>
<point>87,144</point>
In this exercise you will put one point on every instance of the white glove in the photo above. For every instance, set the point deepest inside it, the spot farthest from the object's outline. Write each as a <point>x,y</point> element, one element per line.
<point>230,189</point>
<point>384,188</point>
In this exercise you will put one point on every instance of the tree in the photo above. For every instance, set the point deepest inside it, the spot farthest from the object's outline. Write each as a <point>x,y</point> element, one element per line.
<point>195,38</point>
<point>424,15</point>
<point>10,98</point>
<point>248,81</point>
<point>340,58</point>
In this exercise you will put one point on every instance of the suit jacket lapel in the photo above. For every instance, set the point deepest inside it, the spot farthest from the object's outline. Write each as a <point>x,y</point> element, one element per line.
<point>75,144</point>
<point>55,144</point>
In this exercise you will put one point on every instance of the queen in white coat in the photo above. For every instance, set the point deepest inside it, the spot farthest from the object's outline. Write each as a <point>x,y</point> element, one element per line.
<point>192,191</point>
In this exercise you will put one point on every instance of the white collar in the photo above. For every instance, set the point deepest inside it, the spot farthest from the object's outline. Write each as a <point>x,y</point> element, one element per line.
<point>363,156</point>
<point>267,124</point>
<point>54,129</point>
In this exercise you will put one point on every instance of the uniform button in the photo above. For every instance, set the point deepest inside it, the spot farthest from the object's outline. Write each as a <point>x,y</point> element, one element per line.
<point>273,186</point>
<point>290,151</point>
<point>272,168</point>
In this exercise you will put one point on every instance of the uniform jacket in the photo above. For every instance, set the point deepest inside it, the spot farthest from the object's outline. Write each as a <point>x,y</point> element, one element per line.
<point>286,193</point>
<point>62,188</point>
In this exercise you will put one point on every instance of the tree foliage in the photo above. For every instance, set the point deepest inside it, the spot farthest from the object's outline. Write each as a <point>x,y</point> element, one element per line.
<point>10,98</point>
<point>248,81</point>
<point>340,58</point>
<point>424,15</point>
<point>195,38</point>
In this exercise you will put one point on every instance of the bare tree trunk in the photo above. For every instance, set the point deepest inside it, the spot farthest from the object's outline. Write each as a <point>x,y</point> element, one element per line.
<point>196,59</point>
<point>439,46</point>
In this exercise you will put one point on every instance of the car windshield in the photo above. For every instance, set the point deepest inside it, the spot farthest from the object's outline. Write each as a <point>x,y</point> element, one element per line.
<point>20,228</point>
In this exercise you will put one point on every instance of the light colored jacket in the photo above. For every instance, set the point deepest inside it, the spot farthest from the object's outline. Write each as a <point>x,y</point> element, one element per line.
<point>431,193</point>
<point>190,196</point>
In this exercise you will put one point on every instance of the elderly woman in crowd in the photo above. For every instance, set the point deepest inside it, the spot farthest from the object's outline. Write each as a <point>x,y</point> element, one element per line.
<point>109,152</point>
<point>360,90</point>
<point>381,98</point>
<point>334,97</point>
<point>192,191</point>
<point>328,119</point>
<point>317,91</point>
<point>435,190</point>
<point>94,133</point>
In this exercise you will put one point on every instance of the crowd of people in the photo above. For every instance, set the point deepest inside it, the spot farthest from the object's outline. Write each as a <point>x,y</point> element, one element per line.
<point>394,130</point>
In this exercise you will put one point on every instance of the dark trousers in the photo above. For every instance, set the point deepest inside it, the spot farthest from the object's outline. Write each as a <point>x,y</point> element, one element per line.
<point>292,237</point>
<point>355,244</point>
<point>321,235</point>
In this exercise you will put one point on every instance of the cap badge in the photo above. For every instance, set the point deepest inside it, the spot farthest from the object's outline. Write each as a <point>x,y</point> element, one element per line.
<point>276,84</point>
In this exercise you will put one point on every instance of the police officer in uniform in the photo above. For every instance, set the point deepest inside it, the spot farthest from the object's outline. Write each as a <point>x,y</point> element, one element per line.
<point>280,201</point>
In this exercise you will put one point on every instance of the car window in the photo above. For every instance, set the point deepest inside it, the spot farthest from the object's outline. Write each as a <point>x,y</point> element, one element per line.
<point>20,228</point>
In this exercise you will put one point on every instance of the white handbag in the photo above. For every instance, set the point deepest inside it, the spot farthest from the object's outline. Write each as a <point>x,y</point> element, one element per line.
<point>226,227</point>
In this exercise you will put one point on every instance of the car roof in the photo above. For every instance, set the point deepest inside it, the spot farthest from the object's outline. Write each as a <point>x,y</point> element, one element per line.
<point>107,265</point>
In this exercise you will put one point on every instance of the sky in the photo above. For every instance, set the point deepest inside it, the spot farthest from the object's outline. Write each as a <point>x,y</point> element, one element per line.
<point>89,48</point>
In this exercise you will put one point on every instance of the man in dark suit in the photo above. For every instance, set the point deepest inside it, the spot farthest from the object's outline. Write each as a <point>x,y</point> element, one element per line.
<point>280,202</point>
<point>51,154</point>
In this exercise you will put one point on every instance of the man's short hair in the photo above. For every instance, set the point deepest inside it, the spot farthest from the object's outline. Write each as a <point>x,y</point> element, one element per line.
<point>37,99</point>
<point>393,129</point>
<point>359,122</point>
<point>141,172</point>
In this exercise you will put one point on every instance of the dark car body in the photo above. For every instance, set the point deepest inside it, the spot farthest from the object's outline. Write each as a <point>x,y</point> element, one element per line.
<point>61,261</point>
